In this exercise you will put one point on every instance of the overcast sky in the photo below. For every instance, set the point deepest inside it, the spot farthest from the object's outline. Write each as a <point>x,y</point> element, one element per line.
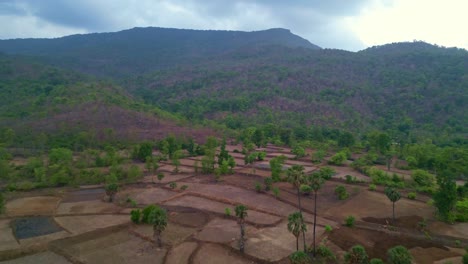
<point>343,24</point>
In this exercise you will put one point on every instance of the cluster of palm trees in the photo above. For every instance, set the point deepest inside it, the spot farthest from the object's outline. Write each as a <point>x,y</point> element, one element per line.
<point>296,224</point>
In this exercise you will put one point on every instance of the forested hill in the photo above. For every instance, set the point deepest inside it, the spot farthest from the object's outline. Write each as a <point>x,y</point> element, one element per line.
<point>140,50</point>
<point>412,90</point>
<point>44,105</point>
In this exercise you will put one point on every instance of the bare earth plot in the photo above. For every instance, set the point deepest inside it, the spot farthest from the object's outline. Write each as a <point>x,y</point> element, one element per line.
<point>87,207</point>
<point>275,243</point>
<point>216,254</point>
<point>39,258</point>
<point>39,205</point>
<point>218,207</point>
<point>81,224</point>
<point>7,239</point>
<point>221,231</point>
<point>173,234</point>
<point>168,177</point>
<point>372,204</point>
<point>114,248</point>
<point>149,195</point>
<point>181,253</point>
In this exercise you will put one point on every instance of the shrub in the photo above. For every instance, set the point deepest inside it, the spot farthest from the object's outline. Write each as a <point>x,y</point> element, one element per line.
<point>465,258</point>
<point>376,261</point>
<point>135,216</point>
<point>328,228</point>
<point>412,195</point>
<point>372,187</point>
<point>305,189</point>
<point>326,172</point>
<point>276,192</point>
<point>184,187</point>
<point>146,211</point>
<point>356,255</point>
<point>423,178</point>
<point>399,255</point>
<point>338,158</point>
<point>268,182</point>
<point>258,187</point>
<point>341,192</point>
<point>349,221</point>
<point>326,253</point>
<point>160,176</point>
<point>461,210</point>
<point>227,211</point>
<point>299,257</point>
<point>173,185</point>
<point>349,179</point>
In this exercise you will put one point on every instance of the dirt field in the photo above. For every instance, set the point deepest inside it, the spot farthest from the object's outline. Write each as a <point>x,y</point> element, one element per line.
<point>44,205</point>
<point>80,225</point>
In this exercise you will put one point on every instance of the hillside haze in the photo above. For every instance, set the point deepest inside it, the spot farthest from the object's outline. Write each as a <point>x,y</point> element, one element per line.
<point>239,79</point>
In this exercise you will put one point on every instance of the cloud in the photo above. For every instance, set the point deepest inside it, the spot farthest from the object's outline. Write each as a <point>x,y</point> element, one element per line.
<point>350,25</point>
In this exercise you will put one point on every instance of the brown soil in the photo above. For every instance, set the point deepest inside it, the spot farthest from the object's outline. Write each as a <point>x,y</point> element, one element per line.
<point>378,242</point>
<point>192,219</point>
<point>429,255</point>
<point>410,222</point>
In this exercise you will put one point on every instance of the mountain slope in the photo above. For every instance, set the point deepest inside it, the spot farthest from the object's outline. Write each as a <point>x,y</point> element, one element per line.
<point>65,108</point>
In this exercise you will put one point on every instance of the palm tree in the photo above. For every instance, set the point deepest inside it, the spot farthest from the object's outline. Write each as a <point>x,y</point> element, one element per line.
<point>296,178</point>
<point>296,226</point>
<point>241,213</point>
<point>158,218</point>
<point>393,195</point>
<point>315,181</point>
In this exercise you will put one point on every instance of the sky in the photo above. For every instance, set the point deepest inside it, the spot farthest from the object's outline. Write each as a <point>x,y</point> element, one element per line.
<point>341,24</point>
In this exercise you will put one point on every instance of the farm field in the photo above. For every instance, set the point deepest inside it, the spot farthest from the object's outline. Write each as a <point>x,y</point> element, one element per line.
<point>79,225</point>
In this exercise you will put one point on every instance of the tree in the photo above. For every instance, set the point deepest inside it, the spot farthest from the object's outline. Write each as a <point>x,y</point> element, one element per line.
<point>399,255</point>
<point>145,150</point>
<point>446,196</point>
<point>276,166</point>
<point>296,226</point>
<point>223,153</point>
<point>393,195</point>
<point>158,218</point>
<point>356,255</point>
<point>315,181</point>
<point>296,178</point>
<point>111,190</point>
<point>241,214</point>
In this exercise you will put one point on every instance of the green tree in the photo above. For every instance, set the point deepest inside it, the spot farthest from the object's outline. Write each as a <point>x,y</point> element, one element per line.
<point>356,255</point>
<point>296,177</point>
<point>296,226</point>
<point>60,156</point>
<point>393,195</point>
<point>158,218</point>
<point>315,181</point>
<point>298,151</point>
<point>223,153</point>
<point>111,190</point>
<point>258,138</point>
<point>399,255</point>
<point>145,150</point>
<point>241,214</point>
<point>276,166</point>
<point>445,197</point>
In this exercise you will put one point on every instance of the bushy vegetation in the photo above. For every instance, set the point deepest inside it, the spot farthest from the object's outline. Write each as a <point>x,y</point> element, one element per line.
<point>349,221</point>
<point>356,255</point>
<point>399,255</point>
<point>341,192</point>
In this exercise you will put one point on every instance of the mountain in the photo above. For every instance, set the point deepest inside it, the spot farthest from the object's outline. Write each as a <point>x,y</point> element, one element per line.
<point>412,90</point>
<point>141,50</point>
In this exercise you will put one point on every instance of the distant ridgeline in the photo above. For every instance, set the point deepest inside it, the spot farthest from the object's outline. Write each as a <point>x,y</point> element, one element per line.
<point>233,80</point>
